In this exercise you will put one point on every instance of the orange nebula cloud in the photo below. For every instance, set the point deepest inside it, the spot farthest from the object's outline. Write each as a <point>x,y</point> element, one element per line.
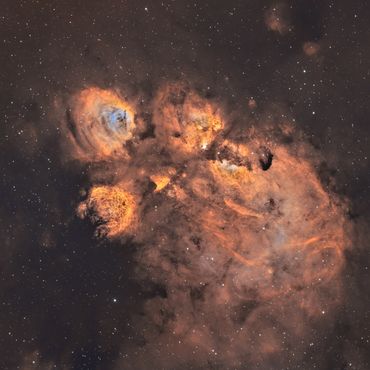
<point>311,48</point>
<point>239,231</point>
<point>276,19</point>
<point>100,123</point>
<point>112,206</point>
<point>277,217</point>
<point>162,178</point>
<point>188,123</point>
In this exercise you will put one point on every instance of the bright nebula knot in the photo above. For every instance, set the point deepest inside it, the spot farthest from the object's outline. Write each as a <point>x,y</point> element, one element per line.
<point>112,207</point>
<point>117,119</point>
<point>100,123</point>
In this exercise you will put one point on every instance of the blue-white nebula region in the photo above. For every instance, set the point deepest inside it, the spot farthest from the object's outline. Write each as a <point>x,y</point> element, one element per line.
<point>116,119</point>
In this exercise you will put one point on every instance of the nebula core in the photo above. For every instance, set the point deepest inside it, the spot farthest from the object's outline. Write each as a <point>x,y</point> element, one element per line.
<point>99,123</point>
<point>235,227</point>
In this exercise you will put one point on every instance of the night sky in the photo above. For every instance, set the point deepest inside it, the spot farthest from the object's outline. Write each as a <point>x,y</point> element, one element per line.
<point>71,298</point>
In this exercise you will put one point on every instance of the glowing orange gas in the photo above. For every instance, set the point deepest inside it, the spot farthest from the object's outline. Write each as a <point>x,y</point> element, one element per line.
<point>112,206</point>
<point>239,221</point>
<point>93,136</point>
<point>190,124</point>
<point>277,217</point>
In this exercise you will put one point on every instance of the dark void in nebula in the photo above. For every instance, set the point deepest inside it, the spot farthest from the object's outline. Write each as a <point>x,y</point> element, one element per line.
<point>184,185</point>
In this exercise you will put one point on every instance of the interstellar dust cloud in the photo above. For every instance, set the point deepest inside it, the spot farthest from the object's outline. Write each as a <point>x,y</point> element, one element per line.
<point>234,226</point>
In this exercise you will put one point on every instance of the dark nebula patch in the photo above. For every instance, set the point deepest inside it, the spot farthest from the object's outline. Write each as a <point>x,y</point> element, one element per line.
<point>265,158</point>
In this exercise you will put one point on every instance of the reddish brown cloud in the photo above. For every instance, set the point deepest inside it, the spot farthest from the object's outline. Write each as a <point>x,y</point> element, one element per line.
<point>277,18</point>
<point>92,135</point>
<point>311,48</point>
<point>243,240</point>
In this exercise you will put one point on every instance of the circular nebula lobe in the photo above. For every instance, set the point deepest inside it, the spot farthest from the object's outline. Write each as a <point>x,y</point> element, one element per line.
<point>112,207</point>
<point>103,122</point>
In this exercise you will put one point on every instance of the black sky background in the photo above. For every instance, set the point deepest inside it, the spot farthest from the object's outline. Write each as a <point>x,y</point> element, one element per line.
<point>57,282</point>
